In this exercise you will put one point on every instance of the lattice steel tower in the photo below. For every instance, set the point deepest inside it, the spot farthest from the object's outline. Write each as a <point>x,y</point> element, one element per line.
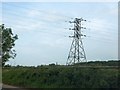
<point>77,52</point>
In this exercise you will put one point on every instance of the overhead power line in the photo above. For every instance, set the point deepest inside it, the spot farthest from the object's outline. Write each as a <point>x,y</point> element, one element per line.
<point>46,12</point>
<point>76,53</point>
<point>42,11</point>
<point>32,19</point>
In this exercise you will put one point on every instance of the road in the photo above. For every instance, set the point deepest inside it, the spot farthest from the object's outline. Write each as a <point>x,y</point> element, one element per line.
<point>9,87</point>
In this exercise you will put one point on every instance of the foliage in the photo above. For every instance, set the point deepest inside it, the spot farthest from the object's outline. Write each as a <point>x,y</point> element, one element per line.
<point>100,63</point>
<point>8,42</point>
<point>62,77</point>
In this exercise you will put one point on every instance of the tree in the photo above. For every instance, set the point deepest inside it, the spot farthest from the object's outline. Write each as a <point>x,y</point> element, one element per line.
<point>7,43</point>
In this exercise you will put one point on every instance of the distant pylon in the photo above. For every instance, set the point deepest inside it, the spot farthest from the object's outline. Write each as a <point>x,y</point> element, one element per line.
<point>77,52</point>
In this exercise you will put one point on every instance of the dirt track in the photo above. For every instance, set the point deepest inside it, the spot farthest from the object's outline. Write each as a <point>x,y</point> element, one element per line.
<point>9,87</point>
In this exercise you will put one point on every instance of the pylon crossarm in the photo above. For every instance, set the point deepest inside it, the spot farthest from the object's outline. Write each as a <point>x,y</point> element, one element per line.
<point>77,52</point>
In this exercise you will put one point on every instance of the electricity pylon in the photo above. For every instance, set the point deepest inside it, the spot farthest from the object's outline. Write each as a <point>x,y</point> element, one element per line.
<point>77,52</point>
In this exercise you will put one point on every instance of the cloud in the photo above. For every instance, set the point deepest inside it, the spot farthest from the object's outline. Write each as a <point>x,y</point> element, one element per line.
<point>102,24</point>
<point>53,18</point>
<point>25,25</point>
<point>52,45</point>
<point>97,22</point>
<point>102,30</point>
<point>33,13</point>
<point>114,11</point>
<point>46,15</point>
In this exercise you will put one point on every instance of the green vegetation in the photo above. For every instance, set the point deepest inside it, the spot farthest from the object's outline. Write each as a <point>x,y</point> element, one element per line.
<point>60,76</point>
<point>8,42</point>
<point>100,63</point>
<point>0,75</point>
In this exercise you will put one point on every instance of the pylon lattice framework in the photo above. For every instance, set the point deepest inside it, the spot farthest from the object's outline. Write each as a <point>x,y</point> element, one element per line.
<point>77,52</point>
